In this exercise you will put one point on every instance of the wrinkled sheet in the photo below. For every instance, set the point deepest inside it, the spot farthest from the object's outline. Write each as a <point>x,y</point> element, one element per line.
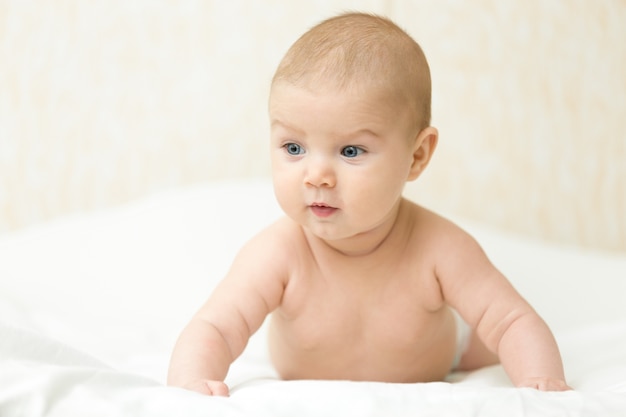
<point>91,305</point>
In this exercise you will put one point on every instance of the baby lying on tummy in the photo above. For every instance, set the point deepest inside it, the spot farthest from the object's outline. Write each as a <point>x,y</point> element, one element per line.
<point>361,283</point>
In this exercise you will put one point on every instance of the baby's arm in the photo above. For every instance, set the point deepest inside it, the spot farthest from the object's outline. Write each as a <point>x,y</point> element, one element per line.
<point>529,352</point>
<point>503,320</point>
<point>219,331</point>
<point>201,359</point>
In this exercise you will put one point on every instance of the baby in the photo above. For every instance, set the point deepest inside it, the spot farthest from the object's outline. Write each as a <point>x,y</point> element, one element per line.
<point>362,284</point>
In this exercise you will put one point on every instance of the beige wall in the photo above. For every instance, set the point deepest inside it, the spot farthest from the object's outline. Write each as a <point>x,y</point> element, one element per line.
<point>105,101</point>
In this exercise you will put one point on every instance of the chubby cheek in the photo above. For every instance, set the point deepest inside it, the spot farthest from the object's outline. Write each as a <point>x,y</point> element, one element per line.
<point>374,196</point>
<point>286,191</point>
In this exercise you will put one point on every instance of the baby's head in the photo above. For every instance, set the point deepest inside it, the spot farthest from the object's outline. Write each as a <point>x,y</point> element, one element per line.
<point>363,52</point>
<point>349,112</point>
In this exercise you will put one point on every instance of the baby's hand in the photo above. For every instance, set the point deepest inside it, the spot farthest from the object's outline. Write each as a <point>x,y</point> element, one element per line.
<point>208,387</point>
<point>545,384</point>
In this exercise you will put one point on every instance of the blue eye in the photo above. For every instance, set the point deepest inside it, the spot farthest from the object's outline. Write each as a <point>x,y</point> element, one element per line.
<point>294,149</point>
<point>351,151</point>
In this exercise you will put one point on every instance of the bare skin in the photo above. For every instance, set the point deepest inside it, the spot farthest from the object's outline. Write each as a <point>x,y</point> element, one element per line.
<point>360,281</point>
<point>356,324</point>
<point>344,317</point>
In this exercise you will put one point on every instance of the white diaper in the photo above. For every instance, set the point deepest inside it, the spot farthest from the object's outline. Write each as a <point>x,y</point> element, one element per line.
<point>463,334</point>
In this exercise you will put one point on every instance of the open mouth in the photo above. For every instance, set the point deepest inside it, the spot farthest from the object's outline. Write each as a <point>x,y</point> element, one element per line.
<point>322,209</point>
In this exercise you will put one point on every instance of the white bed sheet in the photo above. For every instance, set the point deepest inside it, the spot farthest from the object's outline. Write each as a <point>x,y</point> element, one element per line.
<point>90,306</point>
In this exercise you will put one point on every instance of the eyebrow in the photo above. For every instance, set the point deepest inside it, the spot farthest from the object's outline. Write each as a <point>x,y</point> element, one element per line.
<point>277,122</point>
<point>359,132</point>
<point>366,131</point>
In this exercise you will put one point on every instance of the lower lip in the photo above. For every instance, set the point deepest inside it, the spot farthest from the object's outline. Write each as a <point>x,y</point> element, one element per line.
<point>320,211</point>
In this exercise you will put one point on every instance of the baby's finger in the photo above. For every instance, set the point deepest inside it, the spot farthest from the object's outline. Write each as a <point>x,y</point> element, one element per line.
<point>557,385</point>
<point>546,384</point>
<point>208,387</point>
<point>218,388</point>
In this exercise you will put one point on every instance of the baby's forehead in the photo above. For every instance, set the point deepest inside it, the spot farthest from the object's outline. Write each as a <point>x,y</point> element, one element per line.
<point>363,94</point>
<point>336,110</point>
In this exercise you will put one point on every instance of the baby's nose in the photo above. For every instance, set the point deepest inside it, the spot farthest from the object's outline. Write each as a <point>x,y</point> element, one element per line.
<point>320,173</point>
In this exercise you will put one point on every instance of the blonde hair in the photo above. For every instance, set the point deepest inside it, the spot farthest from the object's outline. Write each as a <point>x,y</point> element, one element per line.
<point>361,50</point>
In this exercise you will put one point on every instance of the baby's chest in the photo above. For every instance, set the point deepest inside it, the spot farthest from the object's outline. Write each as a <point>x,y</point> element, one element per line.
<point>336,314</point>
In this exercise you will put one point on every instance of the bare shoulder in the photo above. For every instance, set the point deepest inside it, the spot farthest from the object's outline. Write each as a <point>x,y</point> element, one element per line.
<point>468,280</point>
<point>438,233</point>
<point>453,252</point>
<point>272,250</point>
<point>282,236</point>
<point>257,277</point>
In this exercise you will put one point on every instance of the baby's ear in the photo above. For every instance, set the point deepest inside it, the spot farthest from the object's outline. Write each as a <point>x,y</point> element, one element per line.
<point>423,149</point>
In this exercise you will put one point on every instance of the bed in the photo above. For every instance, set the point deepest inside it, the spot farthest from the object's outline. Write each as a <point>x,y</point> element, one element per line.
<point>91,305</point>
